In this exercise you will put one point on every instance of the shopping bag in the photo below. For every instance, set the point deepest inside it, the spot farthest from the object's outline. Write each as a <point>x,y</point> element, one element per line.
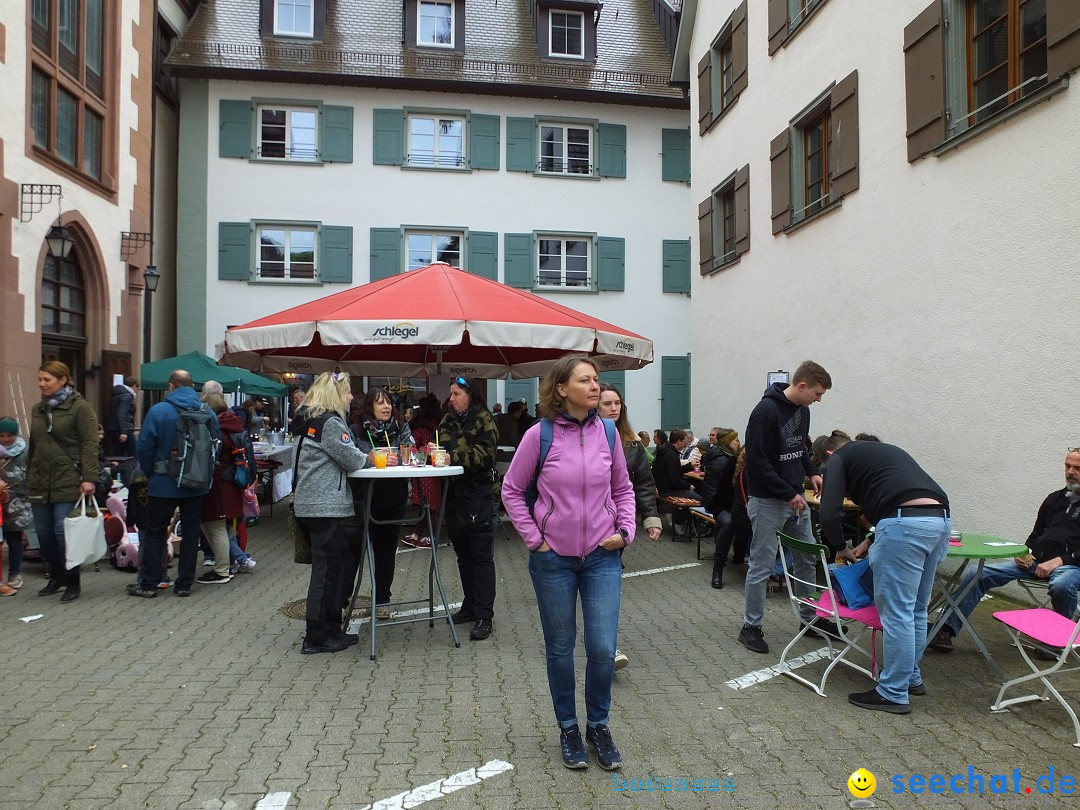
<point>300,538</point>
<point>251,502</point>
<point>84,534</point>
<point>853,584</point>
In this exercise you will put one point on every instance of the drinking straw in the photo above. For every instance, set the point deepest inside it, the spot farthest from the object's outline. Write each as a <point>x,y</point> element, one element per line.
<point>437,439</point>
<point>370,439</point>
<point>386,435</point>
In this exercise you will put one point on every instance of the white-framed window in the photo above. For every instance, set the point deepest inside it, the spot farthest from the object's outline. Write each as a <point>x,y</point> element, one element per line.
<point>294,18</point>
<point>566,34</point>
<point>288,133</point>
<point>286,253</point>
<point>564,261</point>
<point>436,141</point>
<point>435,25</point>
<point>427,247</point>
<point>566,148</point>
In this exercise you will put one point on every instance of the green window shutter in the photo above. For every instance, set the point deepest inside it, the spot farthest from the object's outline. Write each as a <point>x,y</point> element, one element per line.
<point>484,142</point>
<point>335,257</point>
<point>518,260</point>
<point>675,155</point>
<point>674,392</point>
<point>336,138</point>
<point>234,129</point>
<point>521,145</point>
<point>616,378</point>
<point>385,253</point>
<point>389,138</point>
<point>483,254</point>
<point>611,145</point>
<point>676,266</point>
<point>234,251</point>
<point>610,263</point>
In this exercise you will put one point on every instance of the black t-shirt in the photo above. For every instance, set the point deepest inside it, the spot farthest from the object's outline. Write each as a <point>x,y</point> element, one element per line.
<point>878,477</point>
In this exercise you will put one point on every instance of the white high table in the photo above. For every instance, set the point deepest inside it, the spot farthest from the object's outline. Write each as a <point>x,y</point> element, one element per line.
<point>434,577</point>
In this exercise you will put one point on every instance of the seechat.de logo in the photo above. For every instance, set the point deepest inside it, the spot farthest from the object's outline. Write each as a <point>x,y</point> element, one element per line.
<point>401,330</point>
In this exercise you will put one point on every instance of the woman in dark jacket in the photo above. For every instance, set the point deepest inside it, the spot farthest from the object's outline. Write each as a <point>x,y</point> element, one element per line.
<point>379,424</point>
<point>468,433</point>
<point>63,467</point>
<point>717,494</point>
<point>225,500</point>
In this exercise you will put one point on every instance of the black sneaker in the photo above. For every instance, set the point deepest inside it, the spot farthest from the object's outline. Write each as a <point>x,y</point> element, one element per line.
<point>329,646</point>
<point>573,749</point>
<point>918,689</point>
<point>185,592</point>
<point>134,590</point>
<point>821,627</point>
<point>481,630</point>
<point>874,701</point>
<point>753,639</point>
<point>942,641</point>
<point>607,755</point>
<point>462,617</point>
<point>214,578</point>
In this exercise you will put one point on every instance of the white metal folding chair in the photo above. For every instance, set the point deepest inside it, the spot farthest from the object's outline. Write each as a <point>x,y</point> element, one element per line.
<point>820,595</point>
<point>1041,629</point>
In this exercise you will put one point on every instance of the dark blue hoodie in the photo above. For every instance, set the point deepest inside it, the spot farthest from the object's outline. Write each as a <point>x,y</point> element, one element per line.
<point>777,459</point>
<point>157,438</point>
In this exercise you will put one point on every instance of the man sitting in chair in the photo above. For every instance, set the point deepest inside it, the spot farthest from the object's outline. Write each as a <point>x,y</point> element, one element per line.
<point>910,513</point>
<point>1054,556</point>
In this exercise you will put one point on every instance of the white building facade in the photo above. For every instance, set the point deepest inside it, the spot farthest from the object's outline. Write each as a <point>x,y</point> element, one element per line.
<point>538,144</point>
<point>889,189</point>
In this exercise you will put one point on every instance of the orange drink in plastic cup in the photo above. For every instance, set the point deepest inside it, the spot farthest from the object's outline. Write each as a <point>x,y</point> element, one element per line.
<point>380,458</point>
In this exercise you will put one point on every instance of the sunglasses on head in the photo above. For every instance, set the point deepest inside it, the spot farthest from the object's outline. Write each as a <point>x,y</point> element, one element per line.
<point>461,382</point>
<point>1074,449</point>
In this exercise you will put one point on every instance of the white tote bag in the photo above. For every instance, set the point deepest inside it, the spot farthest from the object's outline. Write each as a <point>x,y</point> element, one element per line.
<point>84,534</point>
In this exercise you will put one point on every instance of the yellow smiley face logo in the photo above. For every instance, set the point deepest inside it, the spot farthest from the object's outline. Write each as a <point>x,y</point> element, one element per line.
<point>862,784</point>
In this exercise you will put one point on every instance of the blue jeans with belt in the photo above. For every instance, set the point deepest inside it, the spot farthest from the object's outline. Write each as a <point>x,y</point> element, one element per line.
<point>904,556</point>
<point>558,581</point>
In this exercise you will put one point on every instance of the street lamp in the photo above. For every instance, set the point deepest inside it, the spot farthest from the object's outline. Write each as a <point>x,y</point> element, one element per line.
<point>151,277</point>
<point>59,241</point>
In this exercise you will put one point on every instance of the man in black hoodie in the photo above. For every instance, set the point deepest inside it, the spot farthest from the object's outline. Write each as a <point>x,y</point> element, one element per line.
<point>777,461</point>
<point>120,426</point>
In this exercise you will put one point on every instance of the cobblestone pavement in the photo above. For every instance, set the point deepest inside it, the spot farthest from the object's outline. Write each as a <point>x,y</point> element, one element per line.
<point>206,702</point>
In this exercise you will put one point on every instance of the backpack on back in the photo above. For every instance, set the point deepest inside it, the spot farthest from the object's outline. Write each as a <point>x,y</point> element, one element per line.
<point>191,462</point>
<point>240,468</point>
<point>547,432</point>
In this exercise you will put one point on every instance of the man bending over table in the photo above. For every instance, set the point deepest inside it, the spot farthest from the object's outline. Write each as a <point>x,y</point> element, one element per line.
<point>1054,556</point>
<point>910,513</point>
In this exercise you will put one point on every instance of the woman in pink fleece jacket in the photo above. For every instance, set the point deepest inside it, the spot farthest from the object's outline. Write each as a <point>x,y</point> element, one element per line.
<point>583,515</point>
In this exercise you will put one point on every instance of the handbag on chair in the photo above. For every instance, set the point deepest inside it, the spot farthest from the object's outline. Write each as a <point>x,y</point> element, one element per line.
<point>853,584</point>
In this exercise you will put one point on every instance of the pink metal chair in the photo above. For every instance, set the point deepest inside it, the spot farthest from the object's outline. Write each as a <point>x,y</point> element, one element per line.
<point>1039,628</point>
<point>852,624</point>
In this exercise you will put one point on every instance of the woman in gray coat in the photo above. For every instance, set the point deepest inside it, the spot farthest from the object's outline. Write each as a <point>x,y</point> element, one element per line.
<point>322,500</point>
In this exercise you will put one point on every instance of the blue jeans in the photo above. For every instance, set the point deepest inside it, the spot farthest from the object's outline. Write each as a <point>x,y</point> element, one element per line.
<point>236,554</point>
<point>49,525</point>
<point>1064,583</point>
<point>904,556</point>
<point>14,540</point>
<point>558,581</point>
<point>768,516</point>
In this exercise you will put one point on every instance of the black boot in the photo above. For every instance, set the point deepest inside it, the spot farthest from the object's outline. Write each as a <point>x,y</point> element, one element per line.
<point>718,574</point>
<point>72,591</point>
<point>52,587</point>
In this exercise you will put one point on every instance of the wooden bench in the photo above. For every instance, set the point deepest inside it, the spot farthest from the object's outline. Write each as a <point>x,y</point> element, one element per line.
<point>698,513</point>
<point>672,502</point>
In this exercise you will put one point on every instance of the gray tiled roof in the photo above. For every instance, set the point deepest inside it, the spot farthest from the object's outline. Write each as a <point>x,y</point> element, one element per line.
<point>363,45</point>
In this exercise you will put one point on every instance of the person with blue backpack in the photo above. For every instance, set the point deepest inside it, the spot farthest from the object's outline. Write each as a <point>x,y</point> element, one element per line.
<point>569,496</point>
<point>177,448</point>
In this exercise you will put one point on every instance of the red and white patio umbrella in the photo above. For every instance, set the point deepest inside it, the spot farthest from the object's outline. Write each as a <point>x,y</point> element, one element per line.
<point>438,319</point>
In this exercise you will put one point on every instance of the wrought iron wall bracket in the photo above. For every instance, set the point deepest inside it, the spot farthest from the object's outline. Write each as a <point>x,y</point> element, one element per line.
<point>131,241</point>
<point>34,197</point>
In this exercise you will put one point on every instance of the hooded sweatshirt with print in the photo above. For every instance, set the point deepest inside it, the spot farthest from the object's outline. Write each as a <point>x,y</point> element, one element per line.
<point>585,494</point>
<point>776,450</point>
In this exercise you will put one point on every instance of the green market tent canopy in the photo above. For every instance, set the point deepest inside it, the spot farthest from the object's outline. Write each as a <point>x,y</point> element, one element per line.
<point>155,376</point>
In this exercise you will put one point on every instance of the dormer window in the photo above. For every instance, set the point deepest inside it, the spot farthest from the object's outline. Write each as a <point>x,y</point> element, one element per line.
<point>567,34</point>
<point>435,25</point>
<point>294,18</point>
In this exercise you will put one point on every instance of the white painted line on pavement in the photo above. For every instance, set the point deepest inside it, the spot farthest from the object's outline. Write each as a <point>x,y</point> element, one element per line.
<point>660,570</point>
<point>436,790</point>
<point>762,675</point>
<point>274,801</point>
<point>401,614</point>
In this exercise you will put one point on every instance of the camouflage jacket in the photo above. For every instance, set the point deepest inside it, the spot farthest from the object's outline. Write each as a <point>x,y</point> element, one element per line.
<point>471,439</point>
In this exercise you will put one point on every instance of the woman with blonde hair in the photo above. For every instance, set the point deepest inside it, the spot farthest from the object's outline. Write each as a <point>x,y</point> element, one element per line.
<point>63,467</point>
<point>583,514</point>
<point>322,500</point>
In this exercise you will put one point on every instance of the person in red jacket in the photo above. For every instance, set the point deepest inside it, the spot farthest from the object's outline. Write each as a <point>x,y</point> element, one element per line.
<point>224,501</point>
